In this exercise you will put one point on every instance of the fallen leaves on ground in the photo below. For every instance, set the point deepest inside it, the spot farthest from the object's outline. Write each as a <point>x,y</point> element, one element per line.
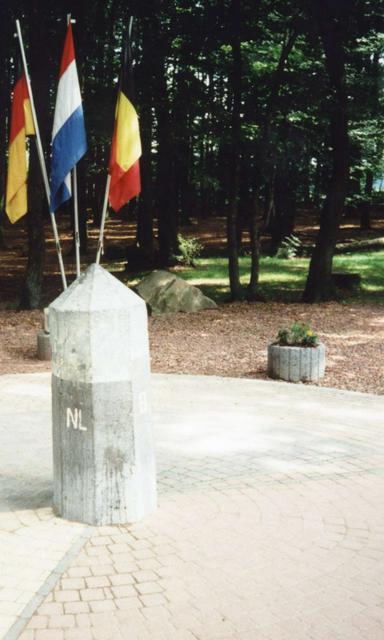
<point>232,341</point>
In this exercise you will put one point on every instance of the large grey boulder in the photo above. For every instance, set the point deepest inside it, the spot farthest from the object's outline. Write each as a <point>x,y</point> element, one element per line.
<point>165,292</point>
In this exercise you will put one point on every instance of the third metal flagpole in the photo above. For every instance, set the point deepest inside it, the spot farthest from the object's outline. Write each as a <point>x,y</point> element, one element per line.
<point>105,204</point>
<point>41,157</point>
<point>101,234</point>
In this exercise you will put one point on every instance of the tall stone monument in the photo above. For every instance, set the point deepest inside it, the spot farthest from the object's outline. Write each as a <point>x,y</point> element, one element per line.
<point>103,456</point>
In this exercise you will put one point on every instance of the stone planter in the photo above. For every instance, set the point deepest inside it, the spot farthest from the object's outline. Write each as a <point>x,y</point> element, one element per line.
<point>296,364</point>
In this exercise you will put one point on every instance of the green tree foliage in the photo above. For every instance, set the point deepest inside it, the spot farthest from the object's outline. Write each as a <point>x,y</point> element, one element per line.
<point>236,101</point>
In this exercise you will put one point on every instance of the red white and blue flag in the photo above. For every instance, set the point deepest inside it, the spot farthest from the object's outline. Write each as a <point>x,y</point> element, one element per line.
<point>69,142</point>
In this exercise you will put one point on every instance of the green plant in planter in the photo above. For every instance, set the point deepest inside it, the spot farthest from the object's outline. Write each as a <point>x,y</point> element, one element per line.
<point>298,335</point>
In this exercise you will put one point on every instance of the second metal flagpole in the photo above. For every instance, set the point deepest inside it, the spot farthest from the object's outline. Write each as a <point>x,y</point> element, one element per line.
<point>41,157</point>
<point>102,224</point>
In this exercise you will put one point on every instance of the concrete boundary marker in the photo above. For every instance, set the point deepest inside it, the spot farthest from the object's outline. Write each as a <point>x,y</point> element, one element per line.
<point>18,627</point>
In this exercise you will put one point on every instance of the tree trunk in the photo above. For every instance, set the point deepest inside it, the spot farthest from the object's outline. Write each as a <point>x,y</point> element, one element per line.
<point>365,216</point>
<point>234,177</point>
<point>253,294</point>
<point>282,222</point>
<point>332,21</point>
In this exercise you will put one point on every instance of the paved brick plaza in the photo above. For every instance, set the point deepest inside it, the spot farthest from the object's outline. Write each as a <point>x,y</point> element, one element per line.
<point>270,522</point>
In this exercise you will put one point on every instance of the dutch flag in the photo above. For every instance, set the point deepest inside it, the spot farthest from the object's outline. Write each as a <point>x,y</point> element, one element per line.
<point>69,142</point>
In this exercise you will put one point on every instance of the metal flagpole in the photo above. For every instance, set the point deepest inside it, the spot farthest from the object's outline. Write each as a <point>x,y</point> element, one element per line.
<point>102,224</point>
<point>41,157</point>
<point>76,214</point>
<point>105,204</point>
<point>75,199</point>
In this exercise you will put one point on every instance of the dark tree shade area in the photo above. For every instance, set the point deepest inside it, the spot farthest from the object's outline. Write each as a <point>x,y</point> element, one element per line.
<point>248,109</point>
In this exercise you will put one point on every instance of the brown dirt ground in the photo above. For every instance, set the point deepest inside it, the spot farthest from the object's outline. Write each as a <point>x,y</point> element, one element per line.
<point>229,341</point>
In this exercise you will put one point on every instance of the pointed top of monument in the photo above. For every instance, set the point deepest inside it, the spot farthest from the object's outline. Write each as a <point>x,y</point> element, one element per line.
<point>96,290</point>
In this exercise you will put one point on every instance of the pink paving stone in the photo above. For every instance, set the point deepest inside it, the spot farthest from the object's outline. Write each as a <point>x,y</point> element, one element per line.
<point>157,613</point>
<point>102,605</point>
<point>72,583</point>
<point>118,548</point>
<point>145,576</point>
<point>98,541</point>
<point>97,581</point>
<point>61,622</point>
<point>149,564</point>
<point>108,593</point>
<point>141,554</point>
<point>67,596</point>
<point>121,579</point>
<point>83,620</point>
<point>49,634</point>
<point>78,634</point>
<point>140,544</point>
<point>108,530</point>
<point>163,550</point>
<point>27,635</point>
<point>84,561</point>
<point>95,552</point>
<point>101,570</point>
<point>128,603</point>
<point>123,591</point>
<point>38,622</point>
<point>50,609</point>
<point>125,566</point>
<point>91,594</point>
<point>79,572</point>
<point>149,587</point>
<point>76,607</point>
<point>120,538</point>
<point>122,557</point>
<point>153,600</point>
<point>102,620</point>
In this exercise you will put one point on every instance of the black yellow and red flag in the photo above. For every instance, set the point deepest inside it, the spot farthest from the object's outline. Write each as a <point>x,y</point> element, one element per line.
<point>21,127</point>
<point>124,168</point>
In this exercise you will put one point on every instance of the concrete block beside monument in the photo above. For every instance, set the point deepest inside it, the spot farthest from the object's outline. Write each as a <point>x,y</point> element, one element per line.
<point>104,464</point>
<point>44,351</point>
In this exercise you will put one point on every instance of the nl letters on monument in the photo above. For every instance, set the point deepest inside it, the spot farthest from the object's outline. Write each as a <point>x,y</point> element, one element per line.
<point>104,466</point>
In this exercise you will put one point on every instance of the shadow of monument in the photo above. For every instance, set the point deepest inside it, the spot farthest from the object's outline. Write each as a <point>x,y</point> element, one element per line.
<point>25,493</point>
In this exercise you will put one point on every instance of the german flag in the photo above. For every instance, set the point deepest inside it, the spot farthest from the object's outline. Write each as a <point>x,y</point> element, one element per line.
<point>124,168</point>
<point>21,126</point>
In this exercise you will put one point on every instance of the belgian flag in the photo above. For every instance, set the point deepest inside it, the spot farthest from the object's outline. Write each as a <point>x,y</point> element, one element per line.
<point>124,168</point>
<point>21,126</point>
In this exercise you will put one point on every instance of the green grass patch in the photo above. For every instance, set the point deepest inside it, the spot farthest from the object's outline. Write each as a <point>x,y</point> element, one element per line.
<point>284,280</point>
<point>370,265</point>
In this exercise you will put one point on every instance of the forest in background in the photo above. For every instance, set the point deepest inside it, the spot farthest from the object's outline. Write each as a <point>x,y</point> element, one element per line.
<point>249,109</point>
